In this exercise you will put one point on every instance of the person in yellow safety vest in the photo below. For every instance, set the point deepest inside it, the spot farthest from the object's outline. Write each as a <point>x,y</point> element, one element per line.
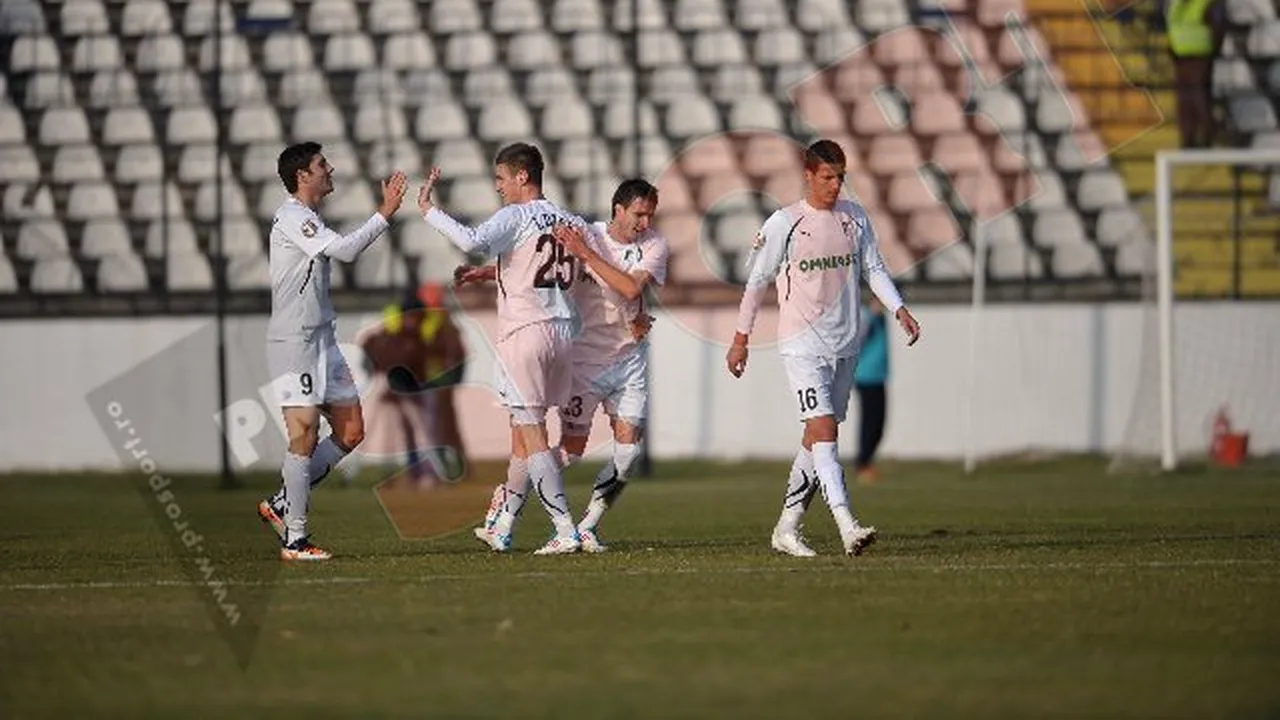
<point>1195,30</point>
<point>420,352</point>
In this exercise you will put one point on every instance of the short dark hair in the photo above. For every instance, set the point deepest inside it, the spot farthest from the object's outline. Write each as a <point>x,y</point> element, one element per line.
<point>295,159</point>
<point>522,156</point>
<point>631,190</point>
<point>823,152</point>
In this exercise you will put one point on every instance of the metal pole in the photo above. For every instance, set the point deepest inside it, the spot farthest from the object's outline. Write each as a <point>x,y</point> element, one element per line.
<point>227,476</point>
<point>646,461</point>
<point>1164,277</point>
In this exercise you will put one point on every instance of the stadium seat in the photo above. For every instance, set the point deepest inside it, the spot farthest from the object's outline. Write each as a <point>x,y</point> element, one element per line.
<point>48,89</point>
<point>122,273</point>
<point>83,17</point>
<point>655,157</point>
<point>24,201</point>
<point>103,237</point>
<point>505,120</point>
<point>18,162</point>
<point>33,52</point>
<point>880,16</point>
<point>650,14</point>
<point>483,86</point>
<point>152,200</point>
<point>1232,75</point>
<point>380,267</point>
<point>1135,257</point>
<point>160,52</point>
<point>1050,193</point>
<point>959,152</point>
<point>673,82</point>
<point>1008,256</point>
<point>1061,112</point>
<point>1251,112</point>
<point>547,86</point>
<point>814,15</point>
<point>532,50</point>
<point>593,195</point>
<point>56,276</point>
<point>513,16</point>
<point>231,54</point>
<point>187,272</point>
<point>241,236</point>
<point>91,200</point>
<point>199,20</point>
<point>385,157</point>
<point>447,17</point>
<point>174,235</point>
<point>778,45</point>
<point>8,279</point>
<point>1080,260</point>
<point>659,47</point>
<point>127,126</point>
<point>1250,12</point>
<point>206,202</point>
<point>757,111</point>
<point>619,120</point>
<point>460,158</point>
<point>332,17</point>
<point>350,202</point>
<point>303,87</point>
<point>137,163</point>
<point>469,50</point>
<point>1264,39</point>
<point>472,197</point>
<point>597,49</point>
<point>1080,150</point>
<point>284,51</point>
<point>254,123</point>
<point>427,88</point>
<point>836,43</point>
<point>949,263</point>
<point>379,122</point>
<point>242,87</point>
<point>64,126</point>
<point>1100,189</point>
<point>736,230</point>
<point>936,113</point>
<point>319,121</point>
<point>980,192</point>
<point>1117,225</point>
<point>349,53</point>
<point>42,239</point>
<point>190,126</point>
<point>881,111</point>
<point>13,130</point>
<point>111,88</point>
<point>1058,227</point>
<point>77,163</point>
<point>22,17</point>
<point>96,52</point>
<point>411,50</point>
<point>570,118</point>
<point>576,16</point>
<point>178,88</point>
<point>267,10</point>
<point>690,117</point>
<point>714,48</point>
<point>248,272</point>
<point>196,164</point>
<point>893,153</point>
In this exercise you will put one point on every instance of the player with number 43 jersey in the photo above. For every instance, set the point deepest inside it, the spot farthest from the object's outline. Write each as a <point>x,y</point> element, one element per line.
<point>536,324</point>
<point>816,251</point>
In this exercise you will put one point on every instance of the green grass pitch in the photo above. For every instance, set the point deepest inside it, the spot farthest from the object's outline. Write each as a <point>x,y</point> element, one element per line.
<point>1027,590</point>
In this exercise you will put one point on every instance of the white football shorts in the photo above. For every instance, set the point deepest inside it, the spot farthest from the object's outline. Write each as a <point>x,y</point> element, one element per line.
<point>820,385</point>
<point>309,372</point>
<point>534,371</point>
<point>623,389</point>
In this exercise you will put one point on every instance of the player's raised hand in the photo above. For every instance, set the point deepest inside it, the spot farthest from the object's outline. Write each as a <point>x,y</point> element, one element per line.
<point>736,358</point>
<point>424,195</point>
<point>393,190</point>
<point>909,325</point>
<point>572,238</point>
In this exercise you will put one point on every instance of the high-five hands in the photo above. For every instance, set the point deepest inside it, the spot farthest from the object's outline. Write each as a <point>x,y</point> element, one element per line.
<point>393,190</point>
<point>424,195</point>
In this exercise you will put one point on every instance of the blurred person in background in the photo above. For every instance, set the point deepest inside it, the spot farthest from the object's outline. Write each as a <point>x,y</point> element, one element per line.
<point>1195,29</point>
<point>417,357</point>
<point>870,377</point>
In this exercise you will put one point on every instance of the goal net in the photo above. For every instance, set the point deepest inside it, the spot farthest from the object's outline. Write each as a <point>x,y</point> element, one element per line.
<point>1207,334</point>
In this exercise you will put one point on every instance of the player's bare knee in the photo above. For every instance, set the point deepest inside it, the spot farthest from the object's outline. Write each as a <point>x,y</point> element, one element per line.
<point>351,435</point>
<point>820,429</point>
<point>574,441</point>
<point>628,431</point>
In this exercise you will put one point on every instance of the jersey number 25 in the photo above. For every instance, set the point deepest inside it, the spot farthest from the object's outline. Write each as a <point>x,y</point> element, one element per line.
<point>558,270</point>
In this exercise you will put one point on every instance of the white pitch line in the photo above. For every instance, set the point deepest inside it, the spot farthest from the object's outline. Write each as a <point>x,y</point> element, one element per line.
<point>800,566</point>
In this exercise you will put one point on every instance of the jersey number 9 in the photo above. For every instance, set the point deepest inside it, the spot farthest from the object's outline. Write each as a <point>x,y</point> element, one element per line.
<point>558,270</point>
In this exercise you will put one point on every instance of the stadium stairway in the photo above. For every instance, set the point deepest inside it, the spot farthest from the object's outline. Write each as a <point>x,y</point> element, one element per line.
<point>1117,65</point>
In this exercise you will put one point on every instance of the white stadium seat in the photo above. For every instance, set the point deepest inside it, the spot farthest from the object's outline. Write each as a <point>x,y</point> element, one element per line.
<point>713,48</point>
<point>690,117</point>
<point>286,51</point>
<point>760,15</point>
<point>698,15</point>
<point>103,237</point>
<point>658,48</point>
<point>304,86</point>
<point>779,46</point>
<point>241,237</point>
<point>137,163</point>
<point>1081,260</point>
<point>548,86</point>
<point>199,20</point>
<point>408,51</point>
<point>320,121</point>
<point>473,197</point>
<point>378,87</point>
<point>190,125</point>
<point>734,81</point>
<point>13,131</point>
<point>484,86</point>
<point>532,50</point>
<point>343,53</point>
<point>77,163</point>
<point>576,16</point>
<point>174,235</point>
<point>206,202</point>
<point>582,157</point>
<point>393,16</point>
<point>96,52</point>
<point>351,201</point>
<point>269,10</point>
<point>460,158</point>
<point>619,120</point>
<point>836,42</point>
<point>243,87</point>
<point>332,17</point>
<point>882,15</point>
<point>56,276</point>
<point>597,49</point>
<point>144,18</point>
<point>815,15</point>
<point>8,279</point>
<point>385,157</point>
<point>426,88</point>
<point>512,16</point>
<point>1249,12</point>
<point>91,200</point>
<point>40,239</point>
<point>127,126</point>
<point>1056,228</point>
<point>196,164</point>
<point>568,119</point>
<point>24,201</point>
<point>1100,189</point>
<point>234,54</point>
<point>18,162</point>
<point>379,122</point>
<point>177,88</point>
<point>1116,225</point>
<point>445,121</point>
<point>111,88</point>
<point>187,272</point>
<point>160,52</point>
<point>84,17</point>
<point>447,17</point>
<point>152,200</point>
<point>755,112</point>
<point>33,52</point>
<point>248,272</point>
<point>469,50</point>
<point>251,124</point>
<point>381,267</point>
<point>49,88</point>
<point>122,274</point>
<point>504,121</point>
<point>1251,112</point>
<point>651,14</point>
<point>1264,40</point>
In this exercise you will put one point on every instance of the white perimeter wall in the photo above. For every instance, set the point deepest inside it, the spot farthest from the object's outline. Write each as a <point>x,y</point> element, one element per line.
<point>1048,377</point>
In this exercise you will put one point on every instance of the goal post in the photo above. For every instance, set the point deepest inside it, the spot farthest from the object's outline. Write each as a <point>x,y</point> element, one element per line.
<point>1165,163</point>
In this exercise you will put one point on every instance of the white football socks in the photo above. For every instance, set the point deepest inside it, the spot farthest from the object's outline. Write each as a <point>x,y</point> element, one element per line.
<point>610,482</point>
<point>325,457</point>
<point>831,476</point>
<point>544,471</point>
<point>297,490</point>
<point>802,483</point>
<point>515,492</point>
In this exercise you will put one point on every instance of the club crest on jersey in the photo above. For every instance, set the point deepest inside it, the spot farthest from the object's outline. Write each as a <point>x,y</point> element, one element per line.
<point>758,242</point>
<point>309,229</point>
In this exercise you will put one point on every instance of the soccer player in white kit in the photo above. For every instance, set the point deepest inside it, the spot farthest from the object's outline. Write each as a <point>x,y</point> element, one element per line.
<point>815,250</point>
<point>309,374</point>
<point>537,321</point>
<point>610,356</point>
